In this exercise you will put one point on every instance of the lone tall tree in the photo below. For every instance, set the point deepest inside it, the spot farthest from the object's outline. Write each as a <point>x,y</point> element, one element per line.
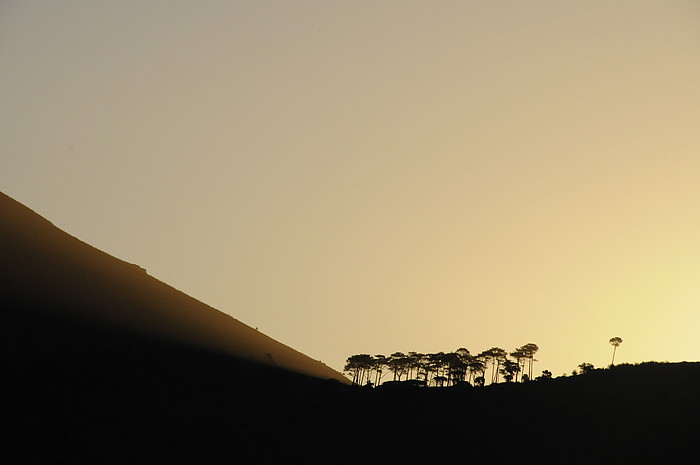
<point>616,341</point>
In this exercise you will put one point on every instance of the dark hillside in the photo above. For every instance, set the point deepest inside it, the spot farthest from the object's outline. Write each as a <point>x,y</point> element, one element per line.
<point>88,393</point>
<point>86,389</point>
<point>44,269</point>
<point>116,398</point>
<point>630,414</point>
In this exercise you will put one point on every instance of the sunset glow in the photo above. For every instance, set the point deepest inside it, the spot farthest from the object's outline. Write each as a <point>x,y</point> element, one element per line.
<point>374,177</point>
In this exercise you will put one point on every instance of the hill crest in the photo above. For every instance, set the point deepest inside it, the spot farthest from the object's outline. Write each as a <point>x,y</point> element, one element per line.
<point>45,269</point>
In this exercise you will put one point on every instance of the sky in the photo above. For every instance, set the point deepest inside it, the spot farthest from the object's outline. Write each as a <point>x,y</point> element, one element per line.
<point>373,177</point>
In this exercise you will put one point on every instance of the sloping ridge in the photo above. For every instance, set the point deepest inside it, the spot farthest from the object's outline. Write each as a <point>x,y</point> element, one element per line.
<point>43,267</point>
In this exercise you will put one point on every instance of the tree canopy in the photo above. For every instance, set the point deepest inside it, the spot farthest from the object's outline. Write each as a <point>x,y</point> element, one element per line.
<point>444,368</point>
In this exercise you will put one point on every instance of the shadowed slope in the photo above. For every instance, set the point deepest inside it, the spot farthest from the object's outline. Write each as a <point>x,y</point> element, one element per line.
<point>47,272</point>
<point>87,382</point>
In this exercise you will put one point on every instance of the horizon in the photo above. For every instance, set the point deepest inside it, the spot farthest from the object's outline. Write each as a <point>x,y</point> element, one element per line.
<point>377,178</point>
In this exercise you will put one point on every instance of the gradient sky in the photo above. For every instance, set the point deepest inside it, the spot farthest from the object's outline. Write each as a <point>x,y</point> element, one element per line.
<point>373,177</point>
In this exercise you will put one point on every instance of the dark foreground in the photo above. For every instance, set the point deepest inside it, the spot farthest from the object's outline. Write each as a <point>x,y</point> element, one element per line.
<point>88,394</point>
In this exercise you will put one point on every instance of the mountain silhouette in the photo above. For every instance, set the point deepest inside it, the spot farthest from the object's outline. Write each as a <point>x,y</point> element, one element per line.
<point>45,273</point>
<point>102,363</point>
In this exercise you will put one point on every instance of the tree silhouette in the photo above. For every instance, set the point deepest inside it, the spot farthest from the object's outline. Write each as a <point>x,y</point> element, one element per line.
<point>440,381</point>
<point>398,364</point>
<point>461,365</point>
<point>509,370</point>
<point>379,364</point>
<point>586,368</point>
<point>615,341</point>
<point>530,349</point>
<point>454,363</point>
<point>425,363</point>
<point>497,356</point>
<point>486,358</point>
<point>436,364</point>
<point>476,366</point>
<point>414,359</point>
<point>359,366</point>
<point>520,356</point>
<point>442,369</point>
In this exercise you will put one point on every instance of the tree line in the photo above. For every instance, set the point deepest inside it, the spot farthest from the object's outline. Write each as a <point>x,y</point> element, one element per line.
<point>446,369</point>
